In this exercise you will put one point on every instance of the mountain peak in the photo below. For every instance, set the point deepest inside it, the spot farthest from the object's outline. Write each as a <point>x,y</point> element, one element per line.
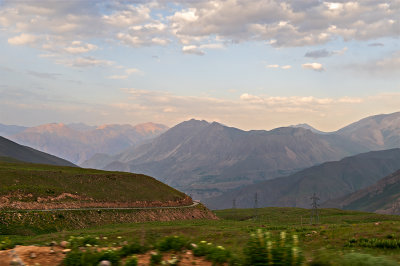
<point>307,126</point>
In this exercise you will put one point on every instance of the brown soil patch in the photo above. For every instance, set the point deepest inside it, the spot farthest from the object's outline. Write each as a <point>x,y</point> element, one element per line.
<point>44,257</point>
<point>70,201</point>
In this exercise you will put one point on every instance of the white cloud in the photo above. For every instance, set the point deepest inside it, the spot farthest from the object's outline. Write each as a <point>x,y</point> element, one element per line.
<point>329,113</point>
<point>78,48</point>
<point>285,67</point>
<point>85,62</point>
<point>313,66</point>
<point>22,39</point>
<point>192,49</point>
<point>130,71</point>
<point>199,49</point>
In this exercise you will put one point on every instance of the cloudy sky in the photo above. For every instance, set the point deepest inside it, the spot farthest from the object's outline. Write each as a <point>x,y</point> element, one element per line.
<point>252,64</point>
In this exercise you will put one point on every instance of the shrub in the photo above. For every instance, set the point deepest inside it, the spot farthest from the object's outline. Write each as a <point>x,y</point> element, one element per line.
<point>84,258</point>
<point>202,249</point>
<point>6,243</point>
<point>130,249</point>
<point>215,254</point>
<point>82,241</point>
<point>175,243</point>
<point>262,249</point>
<point>155,258</point>
<point>131,261</point>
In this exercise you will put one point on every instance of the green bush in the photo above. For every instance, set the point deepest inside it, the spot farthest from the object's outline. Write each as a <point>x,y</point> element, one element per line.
<point>175,243</point>
<point>131,261</point>
<point>263,249</point>
<point>130,249</point>
<point>6,243</point>
<point>357,259</point>
<point>82,241</point>
<point>155,258</point>
<point>202,249</point>
<point>88,258</point>
<point>215,254</point>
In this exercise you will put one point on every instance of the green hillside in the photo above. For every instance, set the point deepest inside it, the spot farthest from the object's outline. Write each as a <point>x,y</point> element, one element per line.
<point>35,186</point>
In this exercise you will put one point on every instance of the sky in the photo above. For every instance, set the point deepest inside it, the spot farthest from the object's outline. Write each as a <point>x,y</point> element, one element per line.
<point>251,64</point>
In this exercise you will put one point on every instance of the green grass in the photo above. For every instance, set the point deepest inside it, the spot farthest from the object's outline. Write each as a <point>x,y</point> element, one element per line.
<point>235,226</point>
<point>49,181</point>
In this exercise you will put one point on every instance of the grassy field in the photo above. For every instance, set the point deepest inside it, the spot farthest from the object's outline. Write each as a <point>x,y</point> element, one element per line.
<point>331,237</point>
<point>24,182</point>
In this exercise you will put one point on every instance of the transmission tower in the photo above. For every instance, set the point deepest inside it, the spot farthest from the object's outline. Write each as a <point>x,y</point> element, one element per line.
<point>314,209</point>
<point>234,203</point>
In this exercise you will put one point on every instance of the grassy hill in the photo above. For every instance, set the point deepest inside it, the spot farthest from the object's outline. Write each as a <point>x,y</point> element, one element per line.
<point>11,149</point>
<point>35,186</point>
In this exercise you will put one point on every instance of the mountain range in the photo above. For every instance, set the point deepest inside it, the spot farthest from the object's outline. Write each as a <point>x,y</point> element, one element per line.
<point>207,159</point>
<point>10,150</point>
<point>329,181</point>
<point>79,142</point>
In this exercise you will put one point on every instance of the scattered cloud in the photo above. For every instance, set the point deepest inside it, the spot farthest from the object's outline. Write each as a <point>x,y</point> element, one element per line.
<point>285,67</point>
<point>118,77</point>
<point>130,71</point>
<point>78,47</point>
<point>22,39</point>
<point>313,66</point>
<point>86,61</point>
<point>376,44</point>
<point>324,53</point>
<point>199,49</point>
<point>44,75</point>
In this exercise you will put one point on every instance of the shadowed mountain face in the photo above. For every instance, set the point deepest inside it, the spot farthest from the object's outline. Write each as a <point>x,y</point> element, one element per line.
<point>381,197</point>
<point>329,180</point>
<point>205,159</point>
<point>13,150</point>
<point>78,142</point>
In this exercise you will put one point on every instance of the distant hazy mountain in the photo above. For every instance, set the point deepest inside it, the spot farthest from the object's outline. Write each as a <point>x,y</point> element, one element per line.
<point>382,197</point>
<point>13,150</point>
<point>206,159</point>
<point>7,130</point>
<point>79,142</point>
<point>307,126</point>
<point>329,180</point>
<point>376,132</point>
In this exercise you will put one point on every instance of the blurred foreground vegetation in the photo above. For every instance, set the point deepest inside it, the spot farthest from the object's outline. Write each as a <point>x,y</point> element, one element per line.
<point>340,238</point>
